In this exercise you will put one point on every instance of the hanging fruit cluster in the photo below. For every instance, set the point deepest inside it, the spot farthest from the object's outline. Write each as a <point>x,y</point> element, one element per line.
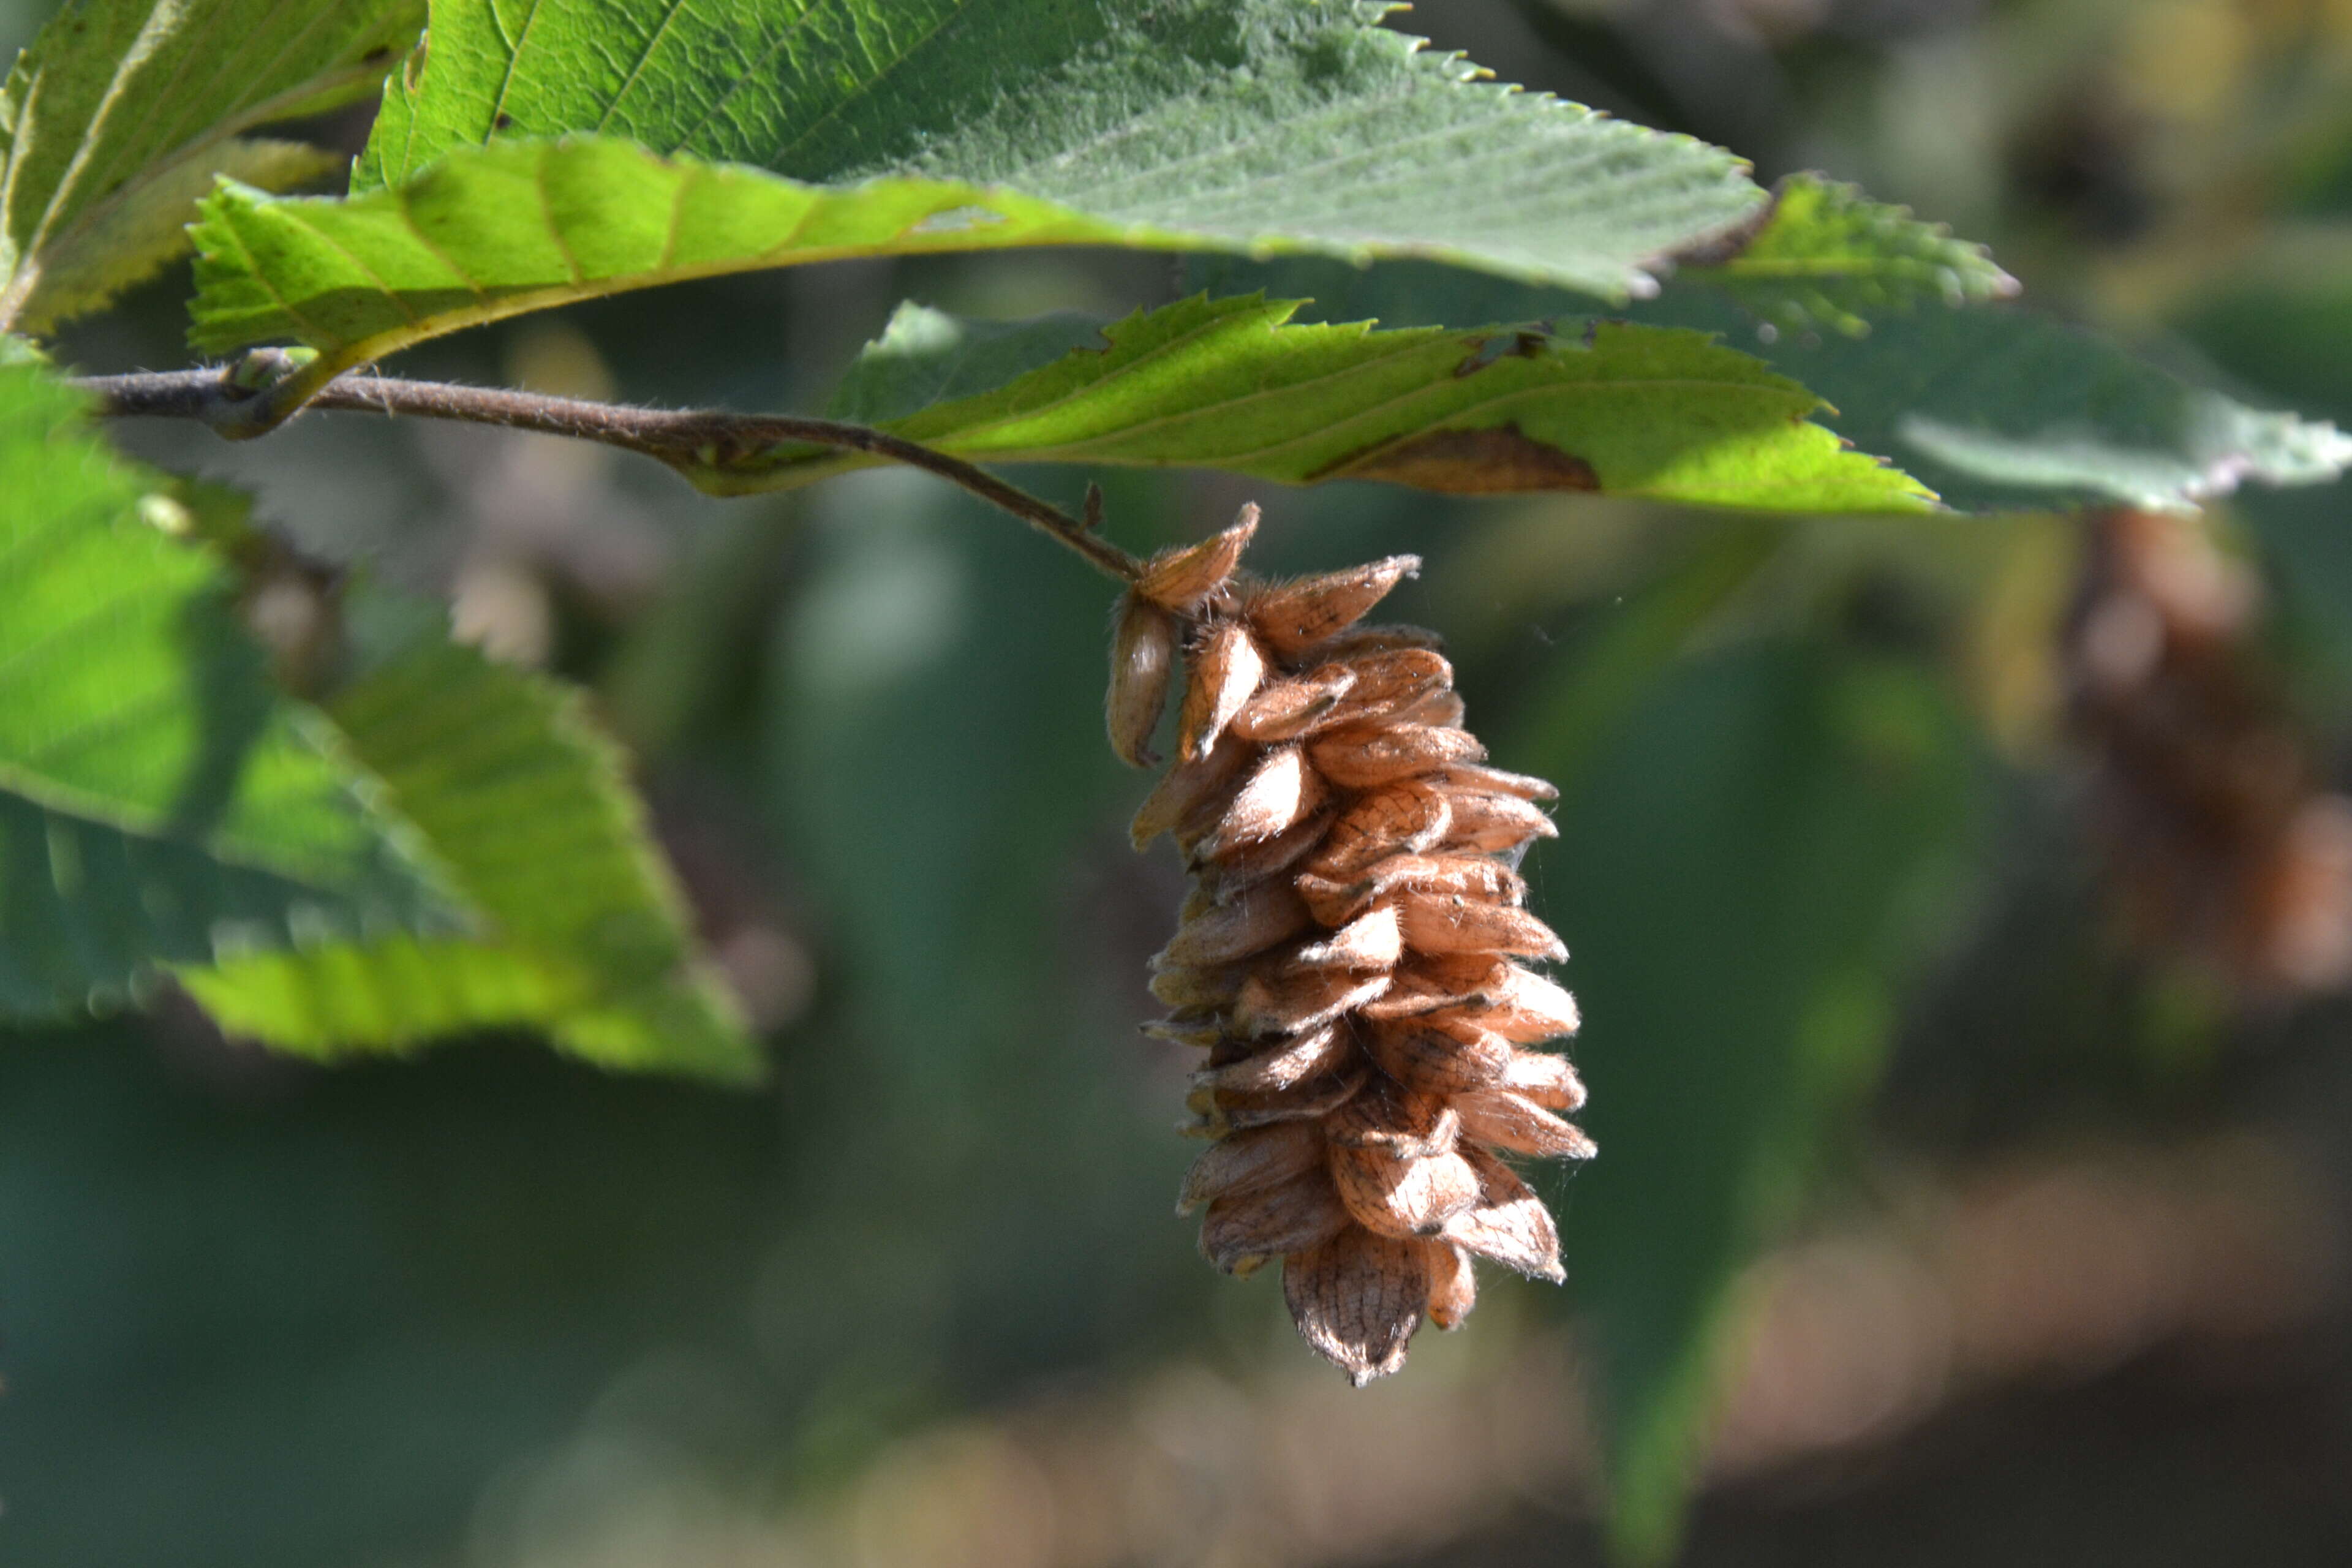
<point>1353,955</point>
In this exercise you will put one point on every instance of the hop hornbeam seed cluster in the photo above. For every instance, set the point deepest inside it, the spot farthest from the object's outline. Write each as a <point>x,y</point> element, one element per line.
<point>1353,952</point>
<point>2220,837</point>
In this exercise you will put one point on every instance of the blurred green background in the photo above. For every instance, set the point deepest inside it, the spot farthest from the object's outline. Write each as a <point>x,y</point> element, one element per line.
<point>1958,1230</point>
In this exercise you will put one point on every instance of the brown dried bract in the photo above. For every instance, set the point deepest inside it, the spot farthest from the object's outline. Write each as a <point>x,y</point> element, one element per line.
<point>1294,617</point>
<point>1143,663</point>
<point>1184,579</point>
<point>1352,956</point>
<point>1227,669</point>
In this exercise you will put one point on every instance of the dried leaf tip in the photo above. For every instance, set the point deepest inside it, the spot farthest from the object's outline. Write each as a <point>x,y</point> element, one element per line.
<point>1352,956</point>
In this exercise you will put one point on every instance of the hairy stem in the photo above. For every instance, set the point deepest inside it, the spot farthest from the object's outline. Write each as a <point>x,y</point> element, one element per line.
<point>693,441</point>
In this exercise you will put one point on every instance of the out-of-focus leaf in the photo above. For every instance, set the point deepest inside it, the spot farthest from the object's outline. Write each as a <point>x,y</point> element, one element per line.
<point>936,757</point>
<point>1995,409</point>
<point>1588,693</point>
<point>1224,384</point>
<point>160,798</point>
<point>118,116</point>
<point>1831,257</point>
<point>2001,409</point>
<point>529,808</point>
<point>2285,327</point>
<point>2286,324</point>
<point>1243,123</point>
<point>1737,878</point>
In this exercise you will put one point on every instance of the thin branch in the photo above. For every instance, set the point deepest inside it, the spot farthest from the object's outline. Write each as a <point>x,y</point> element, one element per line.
<point>693,441</point>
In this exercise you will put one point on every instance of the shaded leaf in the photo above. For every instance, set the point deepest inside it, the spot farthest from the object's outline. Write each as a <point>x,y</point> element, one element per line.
<point>2283,322</point>
<point>116,118</point>
<point>88,911</point>
<point>1226,383</point>
<point>529,808</point>
<point>159,797</point>
<point>1829,256</point>
<point>1736,876</point>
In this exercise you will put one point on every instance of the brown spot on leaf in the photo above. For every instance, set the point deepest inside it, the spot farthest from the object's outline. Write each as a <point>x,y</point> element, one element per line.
<point>1726,245</point>
<point>1498,460</point>
<point>1526,344</point>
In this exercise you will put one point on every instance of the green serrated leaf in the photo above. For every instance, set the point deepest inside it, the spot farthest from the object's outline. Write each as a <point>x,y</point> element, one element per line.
<point>523,225</point>
<point>1831,257</point>
<point>118,116</point>
<point>1228,383</point>
<point>1739,876</point>
<point>160,799</point>
<point>528,805</point>
<point>860,127</point>
<point>1997,409</point>
<point>1241,122</point>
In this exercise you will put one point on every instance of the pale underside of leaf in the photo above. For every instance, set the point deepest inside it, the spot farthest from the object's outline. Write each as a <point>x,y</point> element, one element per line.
<point>122,109</point>
<point>1234,121</point>
<point>125,242</point>
<point>1996,407</point>
<point>399,994</point>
